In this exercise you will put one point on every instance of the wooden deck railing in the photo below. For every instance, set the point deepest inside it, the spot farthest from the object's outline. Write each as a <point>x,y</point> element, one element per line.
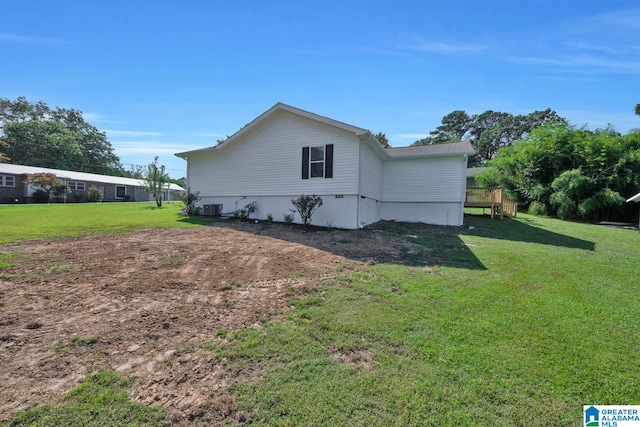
<point>492,198</point>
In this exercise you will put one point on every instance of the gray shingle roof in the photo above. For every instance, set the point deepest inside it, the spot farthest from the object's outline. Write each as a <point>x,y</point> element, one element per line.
<point>463,147</point>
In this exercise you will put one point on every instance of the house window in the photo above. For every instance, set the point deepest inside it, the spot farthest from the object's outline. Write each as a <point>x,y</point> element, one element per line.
<point>317,162</point>
<point>121,191</point>
<point>76,186</point>
<point>7,181</point>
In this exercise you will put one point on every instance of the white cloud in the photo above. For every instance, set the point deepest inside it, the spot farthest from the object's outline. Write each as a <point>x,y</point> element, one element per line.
<point>131,133</point>
<point>591,47</point>
<point>574,79</point>
<point>584,63</point>
<point>15,38</point>
<point>624,19</point>
<point>97,118</point>
<point>150,147</point>
<point>412,136</point>
<point>208,135</point>
<point>596,44</point>
<point>445,48</point>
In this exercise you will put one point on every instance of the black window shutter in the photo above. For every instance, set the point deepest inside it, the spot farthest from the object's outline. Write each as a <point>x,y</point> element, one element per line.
<point>305,162</point>
<point>328,161</point>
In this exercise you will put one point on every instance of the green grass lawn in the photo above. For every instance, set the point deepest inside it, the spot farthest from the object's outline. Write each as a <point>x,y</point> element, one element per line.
<point>521,323</point>
<point>530,320</point>
<point>21,222</point>
<point>100,400</point>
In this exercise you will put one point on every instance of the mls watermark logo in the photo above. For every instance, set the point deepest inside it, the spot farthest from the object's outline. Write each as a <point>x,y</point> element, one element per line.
<point>591,417</point>
<point>611,415</point>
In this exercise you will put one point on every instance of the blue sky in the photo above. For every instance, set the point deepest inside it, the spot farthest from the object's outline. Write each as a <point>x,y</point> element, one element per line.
<point>162,77</point>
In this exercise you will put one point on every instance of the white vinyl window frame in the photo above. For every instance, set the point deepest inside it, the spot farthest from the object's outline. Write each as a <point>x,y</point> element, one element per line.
<point>7,181</point>
<point>76,185</point>
<point>316,162</point>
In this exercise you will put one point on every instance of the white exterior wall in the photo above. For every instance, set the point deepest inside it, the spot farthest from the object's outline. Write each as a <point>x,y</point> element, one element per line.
<point>368,211</point>
<point>446,213</point>
<point>434,179</point>
<point>268,161</point>
<point>266,166</point>
<point>371,172</point>
<point>429,190</point>
<point>339,213</point>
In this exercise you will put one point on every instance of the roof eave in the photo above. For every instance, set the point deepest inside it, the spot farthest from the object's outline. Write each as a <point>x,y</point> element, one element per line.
<point>185,154</point>
<point>432,155</point>
<point>635,198</point>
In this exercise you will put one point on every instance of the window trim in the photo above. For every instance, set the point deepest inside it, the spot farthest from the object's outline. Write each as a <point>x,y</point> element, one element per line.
<point>327,161</point>
<point>73,185</point>
<point>125,191</point>
<point>4,178</point>
<point>319,151</point>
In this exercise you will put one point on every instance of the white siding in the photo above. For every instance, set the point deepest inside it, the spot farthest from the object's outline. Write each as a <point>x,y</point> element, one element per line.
<point>368,211</point>
<point>435,179</point>
<point>264,166</point>
<point>334,212</point>
<point>268,161</point>
<point>371,171</point>
<point>430,213</point>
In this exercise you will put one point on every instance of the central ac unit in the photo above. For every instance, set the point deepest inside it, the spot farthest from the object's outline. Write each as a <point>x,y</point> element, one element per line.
<point>212,210</point>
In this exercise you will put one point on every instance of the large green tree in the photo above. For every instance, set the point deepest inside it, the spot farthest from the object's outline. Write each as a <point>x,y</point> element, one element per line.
<point>455,126</point>
<point>3,155</point>
<point>58,138</point>
<point>571,172</point>
<point>488,131</point>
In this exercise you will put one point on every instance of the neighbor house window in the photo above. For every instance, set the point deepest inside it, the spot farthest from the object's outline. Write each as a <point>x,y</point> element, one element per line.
<point>121,191</point>
<point>317,162</point>
<point>7,181</point>
<point>75,186</point>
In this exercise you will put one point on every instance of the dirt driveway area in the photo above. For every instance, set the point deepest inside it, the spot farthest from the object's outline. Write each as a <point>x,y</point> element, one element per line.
<point>144,303</point>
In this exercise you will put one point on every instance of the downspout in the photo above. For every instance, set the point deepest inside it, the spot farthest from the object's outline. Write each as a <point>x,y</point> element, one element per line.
<point>358,185</point>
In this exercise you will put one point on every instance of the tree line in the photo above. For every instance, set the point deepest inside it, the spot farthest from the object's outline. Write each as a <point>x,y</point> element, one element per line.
<point>570,172</point>
<point>36,135</point>
<point>488,132</point>
<point>548,165</point>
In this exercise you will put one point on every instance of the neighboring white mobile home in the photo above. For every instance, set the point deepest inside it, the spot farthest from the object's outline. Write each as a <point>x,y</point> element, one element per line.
<point>287,152</point>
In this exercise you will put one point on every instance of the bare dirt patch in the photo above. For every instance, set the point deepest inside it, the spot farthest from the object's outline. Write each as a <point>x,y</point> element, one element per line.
<point>144,303</point>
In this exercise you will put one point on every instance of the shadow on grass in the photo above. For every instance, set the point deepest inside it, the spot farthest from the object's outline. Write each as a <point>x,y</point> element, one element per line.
<point>410,244</point>
<point>195,220</point>
<point>520,230</point>
<point>417,245</point>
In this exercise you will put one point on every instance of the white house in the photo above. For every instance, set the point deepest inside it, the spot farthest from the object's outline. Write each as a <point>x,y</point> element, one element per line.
<point>287,152</point>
